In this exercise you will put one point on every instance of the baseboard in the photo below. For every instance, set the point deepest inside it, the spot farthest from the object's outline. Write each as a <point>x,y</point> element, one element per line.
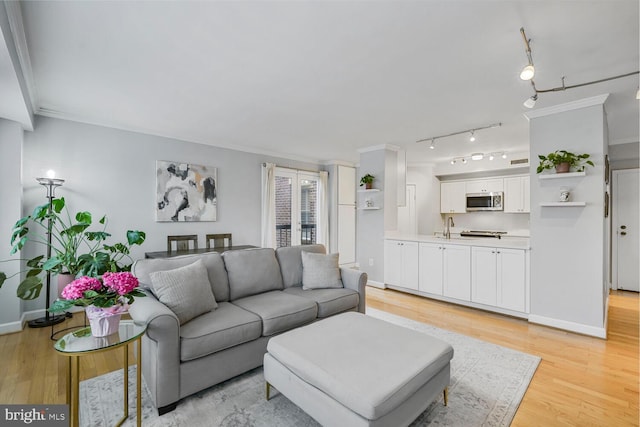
<point>11,327</point>
<point>376,284</point>
<point>19,325</point>
<point>569,326</point>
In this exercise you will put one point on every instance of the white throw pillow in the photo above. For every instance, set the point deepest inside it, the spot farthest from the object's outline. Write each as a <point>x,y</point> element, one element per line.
<point>320,271</point>
<point>185,290</point>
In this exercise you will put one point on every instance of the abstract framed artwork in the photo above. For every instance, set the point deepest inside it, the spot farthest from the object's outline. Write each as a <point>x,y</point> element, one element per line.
<point>186,192</point>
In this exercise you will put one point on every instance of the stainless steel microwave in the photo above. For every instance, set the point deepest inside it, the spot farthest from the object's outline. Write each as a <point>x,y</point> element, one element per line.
<point>485,201</point>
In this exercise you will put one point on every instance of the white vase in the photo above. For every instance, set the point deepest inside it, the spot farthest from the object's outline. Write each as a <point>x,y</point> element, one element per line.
<point>102,322</point>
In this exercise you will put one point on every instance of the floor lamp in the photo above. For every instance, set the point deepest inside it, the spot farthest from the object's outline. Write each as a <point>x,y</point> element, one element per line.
<point>49,319</point>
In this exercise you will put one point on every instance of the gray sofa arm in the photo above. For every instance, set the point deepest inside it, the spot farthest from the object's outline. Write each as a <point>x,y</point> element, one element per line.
<point>160,349</point>
<point>356,280</point>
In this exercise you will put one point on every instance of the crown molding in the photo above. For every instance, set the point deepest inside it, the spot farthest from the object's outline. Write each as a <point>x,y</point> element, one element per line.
<point>568,106</point>
<point>379,147</point>
<point>338,163</point>
<point>16,24</point>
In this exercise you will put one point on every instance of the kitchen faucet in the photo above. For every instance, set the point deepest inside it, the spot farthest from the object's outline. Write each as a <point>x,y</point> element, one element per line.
<point>447,233</point>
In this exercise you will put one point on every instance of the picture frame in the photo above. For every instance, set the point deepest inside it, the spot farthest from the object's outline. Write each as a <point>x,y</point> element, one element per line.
<point>186,192</point>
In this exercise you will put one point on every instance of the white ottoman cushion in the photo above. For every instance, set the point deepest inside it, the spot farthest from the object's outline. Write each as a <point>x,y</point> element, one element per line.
<point>368,365</point>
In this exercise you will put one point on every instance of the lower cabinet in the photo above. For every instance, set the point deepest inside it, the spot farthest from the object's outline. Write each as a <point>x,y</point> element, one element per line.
<point>499,277</point>
<point>401,263</point>
<point>445,270</point>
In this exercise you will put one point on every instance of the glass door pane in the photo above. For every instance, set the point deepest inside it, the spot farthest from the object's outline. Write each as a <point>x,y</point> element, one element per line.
<point>284,187</point>
<point>308,187</point>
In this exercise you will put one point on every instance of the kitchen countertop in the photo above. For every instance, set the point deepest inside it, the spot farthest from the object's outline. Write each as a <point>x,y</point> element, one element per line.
<point>456,239</point>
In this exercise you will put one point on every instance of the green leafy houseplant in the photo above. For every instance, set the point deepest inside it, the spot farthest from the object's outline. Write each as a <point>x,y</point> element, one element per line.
<point>367,180</point>
<point>75,249</point>
<point>563,161</point>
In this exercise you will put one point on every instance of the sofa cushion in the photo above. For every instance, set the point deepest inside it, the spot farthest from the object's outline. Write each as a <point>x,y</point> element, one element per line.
<point>227,326</point>
<point>252,271</point>
<point>290,262</point>
<point>320,271</point>
<point>279,311</point>
<point>185,290</point>
<point>212,261</point>
<point>330,301</point>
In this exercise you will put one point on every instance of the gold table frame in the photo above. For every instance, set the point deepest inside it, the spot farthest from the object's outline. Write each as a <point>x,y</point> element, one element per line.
<point>80,343</point>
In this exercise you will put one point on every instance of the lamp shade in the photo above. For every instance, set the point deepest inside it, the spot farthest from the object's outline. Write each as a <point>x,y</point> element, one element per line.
<point>527,72</point>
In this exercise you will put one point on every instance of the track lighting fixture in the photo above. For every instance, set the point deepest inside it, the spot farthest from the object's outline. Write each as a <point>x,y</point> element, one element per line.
<point>531,102</point>
<point>491,156</point>
<point>477,156</point>
<point>472,131</point>
<point>528,72</point>
<point>464,161</point>
<point>453,161</point>
<point>433,144</point>
<point>504,155</point>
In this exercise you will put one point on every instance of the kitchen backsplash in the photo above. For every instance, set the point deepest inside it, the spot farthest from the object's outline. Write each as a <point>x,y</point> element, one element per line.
<point>494,221</point>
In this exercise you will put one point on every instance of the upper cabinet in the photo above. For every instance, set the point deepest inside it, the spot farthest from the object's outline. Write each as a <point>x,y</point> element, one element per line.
<point>485,185</point>
<point>346,185</point>
<point>516,194</point>
<point>453,197</point>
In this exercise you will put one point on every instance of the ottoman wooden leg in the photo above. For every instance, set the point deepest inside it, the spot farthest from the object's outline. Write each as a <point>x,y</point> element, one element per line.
<point>268,390</point>
<point>446,396</point>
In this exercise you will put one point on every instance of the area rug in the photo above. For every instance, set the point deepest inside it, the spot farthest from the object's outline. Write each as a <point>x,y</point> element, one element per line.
<point>487,384</point>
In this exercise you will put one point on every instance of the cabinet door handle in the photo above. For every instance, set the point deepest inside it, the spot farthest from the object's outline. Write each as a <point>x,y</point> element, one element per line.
<point>498,252</point>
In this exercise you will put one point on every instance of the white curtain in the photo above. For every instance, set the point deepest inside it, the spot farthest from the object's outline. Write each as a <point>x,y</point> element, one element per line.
<point>269,205</point>
<point>323,210</point>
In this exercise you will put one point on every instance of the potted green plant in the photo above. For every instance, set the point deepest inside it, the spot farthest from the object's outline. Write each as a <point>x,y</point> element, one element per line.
<point>75,250</point>
<point>563,161</point>
<point>367,181</point>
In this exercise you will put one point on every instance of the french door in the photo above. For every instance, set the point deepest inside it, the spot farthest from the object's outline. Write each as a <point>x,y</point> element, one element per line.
<point>296,207</point>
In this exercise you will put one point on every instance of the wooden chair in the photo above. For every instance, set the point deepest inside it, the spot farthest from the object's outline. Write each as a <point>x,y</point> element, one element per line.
<point>182,242</point>
<point>219,240</point>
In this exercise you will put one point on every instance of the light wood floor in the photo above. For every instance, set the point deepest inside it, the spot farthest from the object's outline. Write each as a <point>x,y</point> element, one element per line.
<point>581,381</point>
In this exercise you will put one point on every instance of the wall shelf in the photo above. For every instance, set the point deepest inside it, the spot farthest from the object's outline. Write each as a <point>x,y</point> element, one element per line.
<point>561,175</point>
<point>371,208</point>
<point>563,204</point>
<point>371,190</point>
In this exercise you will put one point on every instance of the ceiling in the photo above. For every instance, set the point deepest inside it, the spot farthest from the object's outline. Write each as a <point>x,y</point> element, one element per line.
<point>319,80</point>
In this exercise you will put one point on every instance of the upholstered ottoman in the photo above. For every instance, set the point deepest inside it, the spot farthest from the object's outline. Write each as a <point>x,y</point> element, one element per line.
<point>355,370</point>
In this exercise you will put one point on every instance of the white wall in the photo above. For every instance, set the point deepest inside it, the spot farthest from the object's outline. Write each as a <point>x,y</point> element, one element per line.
<point>568,243</point>
<point>112,172</point>
<point>11,196</point>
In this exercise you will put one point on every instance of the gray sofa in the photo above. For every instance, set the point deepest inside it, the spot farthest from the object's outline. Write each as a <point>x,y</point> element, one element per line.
<point>259,295</point>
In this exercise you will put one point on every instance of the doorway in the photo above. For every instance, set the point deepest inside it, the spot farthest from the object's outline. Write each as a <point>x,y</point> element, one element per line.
<point>626,221</point>
<point>296,207</point>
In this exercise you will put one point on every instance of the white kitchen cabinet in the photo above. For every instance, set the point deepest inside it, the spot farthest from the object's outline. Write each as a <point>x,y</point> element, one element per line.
<point>517,194</point>
<point>498,277</point>
<point>457,272</point>
<point>453,197</point>
<point>445,270</point>
<point>347,233</point>
<point>511,272</point>
<point>484,279</point>
<point>346,185</point>
<point>484,185</point>
<point>401,263</point>
<point>431,268</point>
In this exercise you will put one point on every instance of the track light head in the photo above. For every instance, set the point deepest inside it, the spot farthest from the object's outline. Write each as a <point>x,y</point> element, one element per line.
<point>638,94</point>
<point>527,72</point>
<point>464,161</point>
<point>491,157</point>
<point>433,144</point>
<point>453,161</point>
<point>504,155</point>
<point>477,156</point>
<point>531,102</point>
<point>472,137</point>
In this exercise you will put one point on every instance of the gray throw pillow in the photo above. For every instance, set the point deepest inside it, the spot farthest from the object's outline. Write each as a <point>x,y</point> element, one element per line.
<point>320,271</point>
<point>185,290</point>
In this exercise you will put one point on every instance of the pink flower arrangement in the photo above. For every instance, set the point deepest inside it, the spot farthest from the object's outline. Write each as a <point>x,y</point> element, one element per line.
<point>114,291</point>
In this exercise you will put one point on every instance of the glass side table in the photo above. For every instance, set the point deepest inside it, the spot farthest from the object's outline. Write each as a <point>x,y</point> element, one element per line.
<point>81,343</point>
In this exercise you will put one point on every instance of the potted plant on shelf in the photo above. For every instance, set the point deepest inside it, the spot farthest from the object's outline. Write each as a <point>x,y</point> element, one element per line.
<point>563,161</point>
<point>367,181</point>
<point>75,250</point>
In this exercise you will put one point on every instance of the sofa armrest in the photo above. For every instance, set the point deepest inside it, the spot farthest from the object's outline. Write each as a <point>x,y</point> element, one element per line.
<point>356,280</point>
<point>160,349</point>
